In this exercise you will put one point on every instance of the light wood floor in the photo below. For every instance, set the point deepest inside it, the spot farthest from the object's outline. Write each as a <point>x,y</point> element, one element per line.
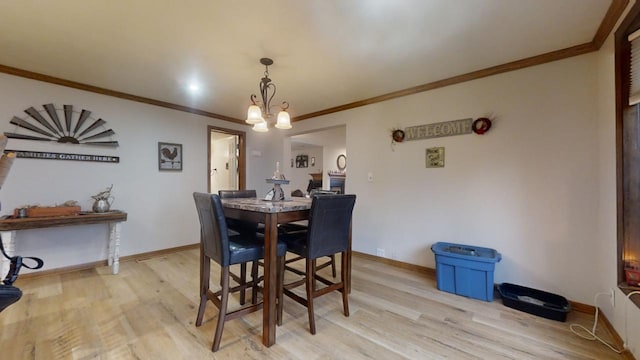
<point>148,312</point>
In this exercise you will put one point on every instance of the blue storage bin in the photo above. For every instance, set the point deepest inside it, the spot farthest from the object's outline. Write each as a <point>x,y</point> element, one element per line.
<point>465,270</point>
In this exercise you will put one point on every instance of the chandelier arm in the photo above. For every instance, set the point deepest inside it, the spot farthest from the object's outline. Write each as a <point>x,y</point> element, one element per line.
<point>268,103</point>
<point>263,101</point>
<point>263,95</point>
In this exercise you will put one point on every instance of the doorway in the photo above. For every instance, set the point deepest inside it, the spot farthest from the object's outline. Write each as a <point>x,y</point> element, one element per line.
<point>225,159</point>
<point>321,148</point>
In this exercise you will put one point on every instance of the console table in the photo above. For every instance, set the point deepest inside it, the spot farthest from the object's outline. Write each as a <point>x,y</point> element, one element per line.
<point>9,226</point>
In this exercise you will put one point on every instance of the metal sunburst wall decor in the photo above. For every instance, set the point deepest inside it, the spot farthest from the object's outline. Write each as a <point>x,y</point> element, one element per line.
<point>47,125</point>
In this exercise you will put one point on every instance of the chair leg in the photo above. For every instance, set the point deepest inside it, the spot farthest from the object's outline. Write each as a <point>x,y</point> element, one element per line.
<point>343,279</point>
<point>224,299</point>
<point>243,280</point>
<point>205,275</point>
<point>311,288</point>
<point>333,265</point>
<point>254,279</point>
<point>280,289</point>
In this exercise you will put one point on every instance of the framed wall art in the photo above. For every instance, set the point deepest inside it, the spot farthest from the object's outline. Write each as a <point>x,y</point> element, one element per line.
<point>302,161</point>
<point>169,157</point>
<point>435,157</point>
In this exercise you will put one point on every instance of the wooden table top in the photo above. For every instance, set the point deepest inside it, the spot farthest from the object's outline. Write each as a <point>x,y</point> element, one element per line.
<point>9,223</point>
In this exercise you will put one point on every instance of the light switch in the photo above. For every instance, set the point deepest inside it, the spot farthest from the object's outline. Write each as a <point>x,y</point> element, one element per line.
<point>370,177</point>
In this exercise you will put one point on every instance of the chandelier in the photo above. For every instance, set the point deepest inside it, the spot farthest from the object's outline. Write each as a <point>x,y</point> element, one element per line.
<point>260,110</point>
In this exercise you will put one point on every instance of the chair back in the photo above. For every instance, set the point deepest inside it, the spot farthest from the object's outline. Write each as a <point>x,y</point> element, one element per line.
<point>226,194</point>
<point>322,192</point>
<point>240,226</point>
<point>213,227</point>
<point>329,224</point>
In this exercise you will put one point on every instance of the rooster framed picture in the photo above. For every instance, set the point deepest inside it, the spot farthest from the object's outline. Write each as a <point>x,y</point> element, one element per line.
<point>169,157</point>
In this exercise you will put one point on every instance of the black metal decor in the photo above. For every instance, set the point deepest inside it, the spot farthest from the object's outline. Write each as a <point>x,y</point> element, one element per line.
<point>46,125</point>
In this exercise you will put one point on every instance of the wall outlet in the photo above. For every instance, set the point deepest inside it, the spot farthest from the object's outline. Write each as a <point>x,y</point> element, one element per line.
<point>370,177</point>
<point>612,295</point>
<point>380,252</point>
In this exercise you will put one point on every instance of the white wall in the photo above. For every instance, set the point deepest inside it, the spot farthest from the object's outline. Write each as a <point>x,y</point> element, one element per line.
<point>160,208</point>
<point>527,188</point>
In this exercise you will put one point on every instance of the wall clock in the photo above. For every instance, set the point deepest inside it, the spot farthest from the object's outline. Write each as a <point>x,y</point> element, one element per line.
<point>341,162</point>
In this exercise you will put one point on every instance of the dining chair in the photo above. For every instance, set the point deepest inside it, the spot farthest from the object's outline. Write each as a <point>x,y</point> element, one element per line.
<point>242,227</point>
<point>300,226</point>
<point>291,228</point>
<point>216,244</point>
<point>328,234</point>
<point>235,224</point>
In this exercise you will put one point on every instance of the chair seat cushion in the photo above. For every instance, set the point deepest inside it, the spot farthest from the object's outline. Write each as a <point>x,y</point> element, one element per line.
<point>291,227</point>
<point>296,242</point>
<point>244,248</point>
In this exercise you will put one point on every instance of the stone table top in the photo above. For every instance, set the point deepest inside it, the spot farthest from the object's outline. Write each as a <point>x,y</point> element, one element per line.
<point>263,206</point>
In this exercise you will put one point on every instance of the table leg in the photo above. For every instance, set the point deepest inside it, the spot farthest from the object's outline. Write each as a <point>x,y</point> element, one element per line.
<point>110,246</point>
<point>270,273</point>
<point>349,253</point>
<point>9,244</point>
<point>114,247</point>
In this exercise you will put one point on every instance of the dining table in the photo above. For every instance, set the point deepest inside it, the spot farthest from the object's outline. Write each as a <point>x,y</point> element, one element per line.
<point>271,213</point>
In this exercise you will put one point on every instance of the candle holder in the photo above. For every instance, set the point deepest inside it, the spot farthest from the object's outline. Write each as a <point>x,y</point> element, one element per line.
<point>277,180</point>
<point>278,194</point>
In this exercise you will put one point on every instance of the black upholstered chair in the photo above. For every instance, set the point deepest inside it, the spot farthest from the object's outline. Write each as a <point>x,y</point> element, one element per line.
<point>236,225</point>
<point>242,227</point>
<point>216,244</point>
<point>10,294</point>
<point>328,234</point>
<point>299,226</point>
<point>291,229</point>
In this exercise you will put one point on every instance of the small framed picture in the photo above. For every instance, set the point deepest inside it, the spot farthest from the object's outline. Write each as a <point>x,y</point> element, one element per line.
<point>169,157</point>
<point>302,161</point>
<point>435,157</point>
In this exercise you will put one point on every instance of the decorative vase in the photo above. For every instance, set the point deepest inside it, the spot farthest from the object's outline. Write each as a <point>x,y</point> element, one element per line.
<point>101,205</point>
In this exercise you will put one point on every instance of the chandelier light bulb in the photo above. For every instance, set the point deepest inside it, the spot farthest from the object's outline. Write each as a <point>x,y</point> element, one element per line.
<point>254,115</point>
<point>284,121</point>
<point>261,126</point>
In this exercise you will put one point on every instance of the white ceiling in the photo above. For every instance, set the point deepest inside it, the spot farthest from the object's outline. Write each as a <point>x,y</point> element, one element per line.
<point>326,52</point>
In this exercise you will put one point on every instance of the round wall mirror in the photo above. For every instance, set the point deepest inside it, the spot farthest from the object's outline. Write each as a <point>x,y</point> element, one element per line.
<point>342,162</point>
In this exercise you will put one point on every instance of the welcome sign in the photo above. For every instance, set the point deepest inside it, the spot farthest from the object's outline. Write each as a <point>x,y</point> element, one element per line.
<point>441,129</point>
